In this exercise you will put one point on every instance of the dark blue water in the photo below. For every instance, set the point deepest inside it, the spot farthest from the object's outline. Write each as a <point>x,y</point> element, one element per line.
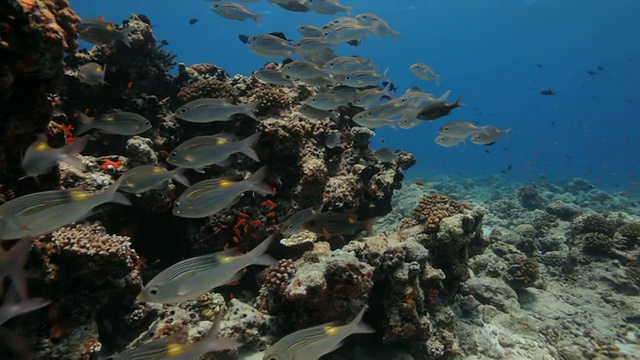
<point>496,54</point>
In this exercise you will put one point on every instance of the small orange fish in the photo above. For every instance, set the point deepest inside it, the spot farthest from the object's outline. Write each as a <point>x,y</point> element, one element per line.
<point>129,84</point>
<point>420,183</point>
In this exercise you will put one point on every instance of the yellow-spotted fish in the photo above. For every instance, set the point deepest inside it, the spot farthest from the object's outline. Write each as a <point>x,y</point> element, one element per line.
<point>489,135</point>
<point>460,129</point>
<point>167,348</point>
<point>202,151</point>
<point>209,110</point>
<point>143,178</point>
<point>210,196</point>
<point>42,212</point>
<point>329,7</point>
<point>98,31</point>
<point>312,343</point>
<point>446,141</point>
<point>92,74</point>
<point>190,278</point>
<point>40,157</point>
<point>118,123</point>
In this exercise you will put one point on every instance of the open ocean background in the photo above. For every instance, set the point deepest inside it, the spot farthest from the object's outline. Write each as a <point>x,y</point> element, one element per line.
<point>496,54</point>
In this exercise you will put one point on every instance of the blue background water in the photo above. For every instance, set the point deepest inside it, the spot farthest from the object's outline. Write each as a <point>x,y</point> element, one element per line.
<point>496,54</point>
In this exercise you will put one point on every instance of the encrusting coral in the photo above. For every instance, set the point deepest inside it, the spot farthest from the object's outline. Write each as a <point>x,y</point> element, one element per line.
<point>435,207</point>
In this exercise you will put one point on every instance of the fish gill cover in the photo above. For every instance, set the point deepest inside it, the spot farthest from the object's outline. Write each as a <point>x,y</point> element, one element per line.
<point>419,179</point>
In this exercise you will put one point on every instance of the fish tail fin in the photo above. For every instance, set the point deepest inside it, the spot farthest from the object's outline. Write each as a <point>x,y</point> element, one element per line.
<point>437,79</point>
<point>368,225</point>
<point>256,184</point>
<point>17,257</point>
<point>356,326</point>
<point>348,10</point>
<point>506,132</point>
<point>113,196</point>
<point>177,174</point>
<point>71,150</point>
<point>86,123</point>
<point>256,18</point>
<point>384,75</point>
<point>259,256</point>
<point>246,146</point>
<point>125,35</point>
<point>104,74</point>
<point>250,108</point>
<point>459,102</point>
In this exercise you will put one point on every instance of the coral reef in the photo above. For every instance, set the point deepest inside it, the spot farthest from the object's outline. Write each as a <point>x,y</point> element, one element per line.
<point>530,199</point>
<point>435,207</point>
<point>522,272</point>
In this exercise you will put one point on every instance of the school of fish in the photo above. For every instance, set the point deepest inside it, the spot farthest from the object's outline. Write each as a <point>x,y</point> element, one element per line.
<point>342,80</point>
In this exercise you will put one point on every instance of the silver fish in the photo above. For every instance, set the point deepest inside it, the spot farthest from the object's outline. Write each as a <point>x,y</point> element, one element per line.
<point>233,11</point>
<point>366,98</point>
<point>273,77</point>
<point>446,141</point>
<point>378,26</point>
<point>312,343</point>
<point>425,72</point>
<point>332,139</point>
<point>310,45</point>
<point>210,196</point>
<point>40,157</point>
<point>330,7</point>
<point>345,33</point>
<point>385,155</point>
<point>190,278</point>
<point>293,224</point>
<point>489,135</point>
<point>167,348</point>
<point>460,129</point>
<point>92,74</point>
<point>209,110</point>
<point>325,101</point>
<point>118,123</point>
<point>202,151</point>
<point>309,30</point>
<point>97,31</point>
<point>303,70</point>
<point>42,212</point>
<point>269,46</point>
<point>317,114</point>
<point>343,65</point>
<point>360,79</point>
<point>143,178</point>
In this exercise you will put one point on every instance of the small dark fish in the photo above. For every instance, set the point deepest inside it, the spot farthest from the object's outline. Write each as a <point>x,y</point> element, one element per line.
<point>552,122</point>
<point>503,171</point>
<point>487,151</point>
<point>330,224</point>
<point>591,72</point>
<point>437,110</point>
<point>509,167</point>
<point>391,87</point>
<point>601,68</point>
<point>540,66</point>
<point>243,38</point>
<point>568,156</point>
<point>164,42</point>
<point>548,92</point>
<point>193,21</point>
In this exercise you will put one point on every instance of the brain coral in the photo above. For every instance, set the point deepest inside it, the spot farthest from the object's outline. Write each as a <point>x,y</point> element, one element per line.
<point>435,207</point>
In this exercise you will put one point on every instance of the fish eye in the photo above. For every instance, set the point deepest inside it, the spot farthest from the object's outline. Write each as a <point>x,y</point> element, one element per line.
<point>326,34</point>
<point>446,129</point>
<point>176,204</point>
<point>153,291</point>
<point>173,154</point>
<point>147,122</point>
<point>182,110</point>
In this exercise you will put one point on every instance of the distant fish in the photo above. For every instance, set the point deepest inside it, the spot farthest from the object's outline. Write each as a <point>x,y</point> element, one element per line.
<point>425,72</point>
<point>329,7</point>
<point>460,129</point>
<point>489,136</point>
<point>164,42</point>
<point>601,68</point>
<point>385,155</point>
<point>591,72</point>
<point>539,66</point>
<point>548,92</point>
<point>446,141</point>
<point>281,35</point>
<point>233,11</point>
<point>193,21</point>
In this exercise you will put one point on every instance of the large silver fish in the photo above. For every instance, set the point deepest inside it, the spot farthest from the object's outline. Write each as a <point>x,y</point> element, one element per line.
<point>202,151</point>
<point>92,74</point>
<point>190,278</point>
<point>233,11</point>
<point>312,343</point>
<point>118,123</point>
<point>42,212</point>
<point>210,196</point>
<point>209,110</point>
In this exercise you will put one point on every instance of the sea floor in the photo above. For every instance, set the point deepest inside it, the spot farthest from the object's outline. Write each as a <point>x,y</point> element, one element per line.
<point>585,303</point>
